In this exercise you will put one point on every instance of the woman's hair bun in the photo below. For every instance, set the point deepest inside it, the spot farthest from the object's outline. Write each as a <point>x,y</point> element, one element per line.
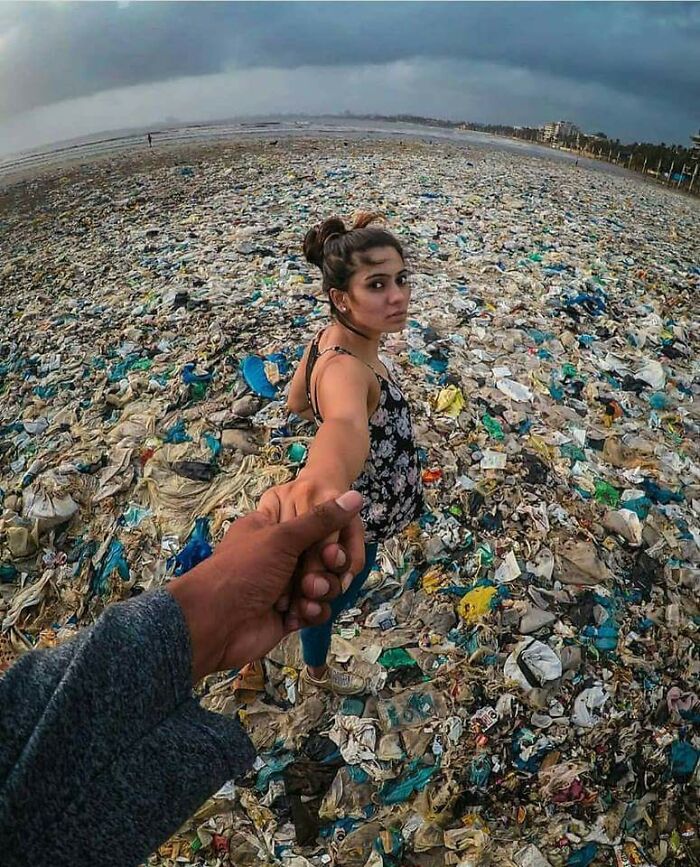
<point>316,238</point>
<point>364,218</point>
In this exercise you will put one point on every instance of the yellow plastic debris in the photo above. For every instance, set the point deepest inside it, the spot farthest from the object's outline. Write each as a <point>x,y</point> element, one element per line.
<point>433,579</point>
<point>450,401</point>
<point>476,603</point>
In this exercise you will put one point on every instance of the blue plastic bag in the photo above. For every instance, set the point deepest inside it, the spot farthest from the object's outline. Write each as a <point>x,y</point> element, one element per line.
<point>480,770</point>
<point>684,757</point>
<point>213,444</point>
<point>114,561</point>
<point>401,789</point>
<point>189,376</point>
<point>196,549</point>
<point>120,370</point>
<point>661,495</point>
<point>177,433</point>
<point>273,768</point>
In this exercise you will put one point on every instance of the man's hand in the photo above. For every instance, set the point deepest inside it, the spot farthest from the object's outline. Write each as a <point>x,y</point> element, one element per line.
<point>301,495</point>
<point>231,601</point>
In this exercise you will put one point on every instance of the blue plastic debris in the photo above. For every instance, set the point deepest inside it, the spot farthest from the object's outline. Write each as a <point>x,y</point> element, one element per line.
<point>391,855</point>
<point>439,365</point>
<point>639,505</point>
<point>605,636</point>
<point>120,370</point>
<point>684,758</point>
<point>213,444</point>
<point>189,375</point>
<point>253,370</point>
<point>340,826</point>
<point>416,779</point>
<point>536,747</point>
<point>114,561</point>
<point>280,360</point>
<point>135,515</point>
<point>661,495</point>
<point>592,304</point>
<point>480,770</point>
<point>8,572</point>
<point>658,400</point>
<point>177,433</point>
<point>196,549</point>
<point>539,336</point>
<point>582,857</point>
<point>274,765</point>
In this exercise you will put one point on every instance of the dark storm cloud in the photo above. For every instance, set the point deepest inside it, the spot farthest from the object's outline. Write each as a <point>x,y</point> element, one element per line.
<point>56,51</point>
<point>642,51</point>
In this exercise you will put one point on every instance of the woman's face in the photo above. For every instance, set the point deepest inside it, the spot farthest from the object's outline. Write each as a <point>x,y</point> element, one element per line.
<point>377,299</point>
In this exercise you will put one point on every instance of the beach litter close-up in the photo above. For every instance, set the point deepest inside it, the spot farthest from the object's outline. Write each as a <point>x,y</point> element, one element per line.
<point>530,642</point>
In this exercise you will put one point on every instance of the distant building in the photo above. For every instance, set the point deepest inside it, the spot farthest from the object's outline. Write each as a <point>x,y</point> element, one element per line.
<point>557,129</point>
<point>566,128</point>
<point>696,146</point>
<point>548,131</point>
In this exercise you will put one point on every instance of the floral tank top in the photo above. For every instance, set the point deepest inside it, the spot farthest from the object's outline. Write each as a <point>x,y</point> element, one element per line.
<point>390,481</point>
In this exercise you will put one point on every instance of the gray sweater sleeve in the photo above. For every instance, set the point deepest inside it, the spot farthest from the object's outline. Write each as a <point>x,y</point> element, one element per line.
<point>104,750</point>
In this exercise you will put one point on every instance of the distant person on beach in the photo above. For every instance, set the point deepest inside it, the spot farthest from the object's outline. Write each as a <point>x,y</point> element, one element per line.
<point>150,140</point>
<point>364,436</point>
<point>104,748</point>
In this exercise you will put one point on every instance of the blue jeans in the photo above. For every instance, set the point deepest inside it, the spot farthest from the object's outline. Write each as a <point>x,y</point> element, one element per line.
<point>316,640</point>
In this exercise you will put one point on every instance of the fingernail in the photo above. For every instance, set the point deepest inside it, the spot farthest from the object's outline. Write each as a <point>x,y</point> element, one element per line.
<point>321,586</point>
<point>346,581</point>
<point>349,501</point>
<point>293,623</point>
<point>313,609</point>
<point>340,558</point>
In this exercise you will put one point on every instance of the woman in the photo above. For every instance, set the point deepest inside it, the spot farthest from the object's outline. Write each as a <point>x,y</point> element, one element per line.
<point>364,438</point>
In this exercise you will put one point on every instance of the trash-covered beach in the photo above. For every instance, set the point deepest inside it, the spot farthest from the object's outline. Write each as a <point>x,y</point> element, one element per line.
<point>532,642</point>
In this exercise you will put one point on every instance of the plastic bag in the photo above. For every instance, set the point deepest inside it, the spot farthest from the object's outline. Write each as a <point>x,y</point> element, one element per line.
<point>532,664</point>
<point>113,561</point>
<point>196,549</point>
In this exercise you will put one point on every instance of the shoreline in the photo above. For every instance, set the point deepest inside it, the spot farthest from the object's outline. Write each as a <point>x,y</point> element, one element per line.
<point>63,156</point>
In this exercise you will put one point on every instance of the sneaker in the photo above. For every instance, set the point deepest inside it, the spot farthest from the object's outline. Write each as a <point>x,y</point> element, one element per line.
<point>336,680</point>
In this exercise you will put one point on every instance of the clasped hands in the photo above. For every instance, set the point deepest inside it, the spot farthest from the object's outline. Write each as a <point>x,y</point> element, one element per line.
<point>276,570</point>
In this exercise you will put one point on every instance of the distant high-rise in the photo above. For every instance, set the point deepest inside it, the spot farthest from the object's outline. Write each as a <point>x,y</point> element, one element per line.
<point>557,129</point>
<point>696,145</point>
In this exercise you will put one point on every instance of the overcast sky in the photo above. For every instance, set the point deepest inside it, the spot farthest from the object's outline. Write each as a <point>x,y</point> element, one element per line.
<point>70,69</point>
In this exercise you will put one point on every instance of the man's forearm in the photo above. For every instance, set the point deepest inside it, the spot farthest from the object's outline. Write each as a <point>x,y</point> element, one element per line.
<point>79,725</point>
<point>196,594</point>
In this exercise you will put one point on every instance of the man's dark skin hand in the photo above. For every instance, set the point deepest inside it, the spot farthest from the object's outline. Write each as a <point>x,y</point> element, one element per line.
<point>236,602</point>
<point>351,538</point>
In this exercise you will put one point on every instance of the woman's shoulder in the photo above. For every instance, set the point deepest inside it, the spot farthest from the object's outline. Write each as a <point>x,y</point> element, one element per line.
<point>343,378</point>
<point>344,363</point>
<point>328,337</point>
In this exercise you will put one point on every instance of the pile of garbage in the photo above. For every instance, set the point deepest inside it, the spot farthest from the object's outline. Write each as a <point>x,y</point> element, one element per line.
<point>532,641</point>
